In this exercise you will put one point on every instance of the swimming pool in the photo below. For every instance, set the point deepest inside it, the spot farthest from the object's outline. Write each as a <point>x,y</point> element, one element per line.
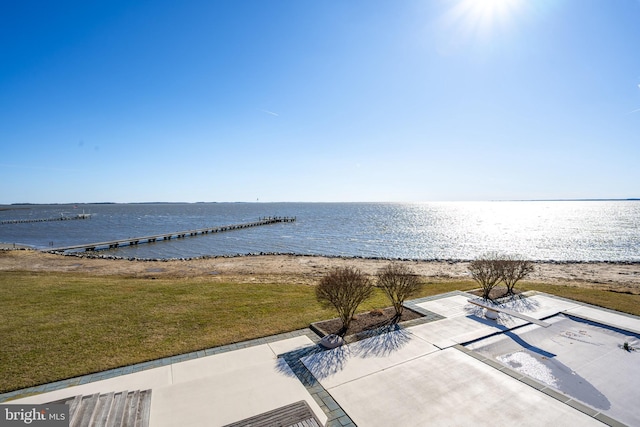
<point>584,360</point>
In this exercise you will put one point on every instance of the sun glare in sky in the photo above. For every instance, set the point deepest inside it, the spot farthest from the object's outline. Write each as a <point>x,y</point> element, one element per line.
<point>488,11</point>
<point>492,7</point>
<point>359,100</point>
<point>481,18</point>
<point>479,27</point>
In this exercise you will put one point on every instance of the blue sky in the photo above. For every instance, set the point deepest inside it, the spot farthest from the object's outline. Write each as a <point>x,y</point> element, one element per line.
<point>337,100</point>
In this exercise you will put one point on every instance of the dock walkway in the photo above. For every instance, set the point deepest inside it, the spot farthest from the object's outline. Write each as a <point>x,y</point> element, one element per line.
<point>55,218</point>
<point>112,244</point>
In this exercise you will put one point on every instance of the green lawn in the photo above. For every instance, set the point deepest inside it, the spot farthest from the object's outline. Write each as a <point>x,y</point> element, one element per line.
<point>55,326</point>
<point>627,303</point>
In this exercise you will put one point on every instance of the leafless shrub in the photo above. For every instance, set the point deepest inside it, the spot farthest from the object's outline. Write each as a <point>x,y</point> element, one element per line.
<point>399,283</point>
<point>514,269</point>
<point>344,289</point>
<point>487,271</point>
<point>491,269</point>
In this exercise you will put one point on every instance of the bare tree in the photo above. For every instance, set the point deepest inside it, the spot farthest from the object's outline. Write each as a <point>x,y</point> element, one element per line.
<point>487,271</point>
<point>345,289</point>
<point>514,269</point>
<point>399,283</point>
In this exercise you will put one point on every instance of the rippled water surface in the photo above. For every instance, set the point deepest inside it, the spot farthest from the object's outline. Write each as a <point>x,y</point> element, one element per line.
<point>563,231</point>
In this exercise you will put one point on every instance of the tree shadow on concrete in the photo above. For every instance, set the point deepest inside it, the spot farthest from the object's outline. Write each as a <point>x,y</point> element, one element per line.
<point>381,342</point>
<point>320,363</point>
<point>324,363</point>
<point>521,304</point>
<point>328,363</point>
<point>517,303</point>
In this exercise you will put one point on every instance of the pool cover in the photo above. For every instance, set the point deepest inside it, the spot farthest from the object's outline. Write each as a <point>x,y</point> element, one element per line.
<point>591,363</point>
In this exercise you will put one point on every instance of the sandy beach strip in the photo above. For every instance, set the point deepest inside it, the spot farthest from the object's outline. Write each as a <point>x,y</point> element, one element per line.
<point>621,277</point>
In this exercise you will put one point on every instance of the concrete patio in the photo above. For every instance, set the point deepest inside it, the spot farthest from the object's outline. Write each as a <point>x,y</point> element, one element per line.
<point>412,375</point>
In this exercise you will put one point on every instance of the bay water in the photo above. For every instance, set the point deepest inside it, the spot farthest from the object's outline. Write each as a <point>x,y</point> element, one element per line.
<point>536,230</point>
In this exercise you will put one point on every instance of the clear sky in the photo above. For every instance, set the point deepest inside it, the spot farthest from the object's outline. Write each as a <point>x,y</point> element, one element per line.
<point>333,100</point>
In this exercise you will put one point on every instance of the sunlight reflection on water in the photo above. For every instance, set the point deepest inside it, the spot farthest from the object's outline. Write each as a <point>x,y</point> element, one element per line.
<point>562,231</point>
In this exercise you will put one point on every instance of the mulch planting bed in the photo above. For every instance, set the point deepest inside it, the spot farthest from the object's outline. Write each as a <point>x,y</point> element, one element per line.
<point>368,321</point>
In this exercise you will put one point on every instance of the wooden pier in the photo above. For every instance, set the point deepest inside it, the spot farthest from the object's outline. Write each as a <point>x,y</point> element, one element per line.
<point>55,218</point>
<point>168,236</point>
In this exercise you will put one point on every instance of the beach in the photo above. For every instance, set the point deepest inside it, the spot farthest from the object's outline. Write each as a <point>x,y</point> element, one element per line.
<point>302,269</point>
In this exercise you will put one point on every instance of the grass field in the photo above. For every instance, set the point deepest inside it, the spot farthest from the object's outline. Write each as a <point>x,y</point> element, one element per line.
<point>61,325</point>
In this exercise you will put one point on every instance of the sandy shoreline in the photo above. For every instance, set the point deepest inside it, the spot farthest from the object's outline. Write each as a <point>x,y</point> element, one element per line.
<point>622,277</point>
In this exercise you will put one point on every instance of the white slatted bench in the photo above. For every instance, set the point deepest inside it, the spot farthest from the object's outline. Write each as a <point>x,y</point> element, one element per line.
<point>481,303</point>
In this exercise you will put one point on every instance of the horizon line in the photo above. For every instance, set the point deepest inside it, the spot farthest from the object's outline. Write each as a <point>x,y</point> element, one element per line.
<point>282,201</point>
